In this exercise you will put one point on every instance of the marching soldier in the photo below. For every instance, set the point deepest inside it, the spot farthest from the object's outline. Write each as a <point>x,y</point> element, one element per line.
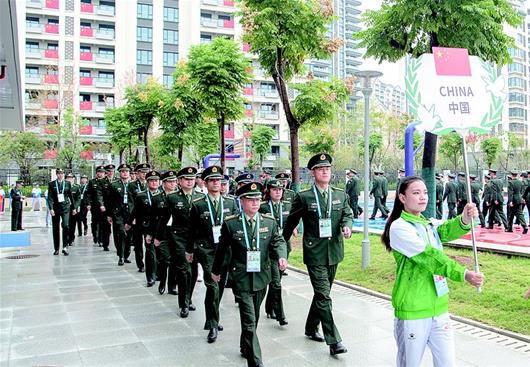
<point>450,196</point>
<point>242,180</point>
<point>254,243</point>
<point>207,216</point>
<point>278,208</point>
<point>59,201</point>
<point>144,217</point>
<point>475,196</point>
<point>439,196</point>
<point>174,227</point>
<point>225,183</point>
<point>17,206</point>
<point>74,208</point>
<point>103,199</point>
<point>401,176</point>
<point>285,179</point>
<point>96,224</point>
<point>84,204</point>
<point>119,207</point>
<point>139,184</point>
<point>353,191</point>
<point>515,199</point>
<point>327,218</point>
<point>461,197</point>
<point>377,193</point>
<point>265,177</point>
<point>497,201</point>
<point>384,188</point>
<point>526,194</point>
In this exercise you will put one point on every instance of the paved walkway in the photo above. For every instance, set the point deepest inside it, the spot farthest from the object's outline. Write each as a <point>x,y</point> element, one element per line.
<point>84,310</point>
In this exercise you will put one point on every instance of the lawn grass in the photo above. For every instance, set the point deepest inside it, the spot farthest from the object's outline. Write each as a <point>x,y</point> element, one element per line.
<point>501,303</point>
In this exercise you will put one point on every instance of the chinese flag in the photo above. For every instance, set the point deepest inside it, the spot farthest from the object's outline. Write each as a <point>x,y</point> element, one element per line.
<point>451,61</point>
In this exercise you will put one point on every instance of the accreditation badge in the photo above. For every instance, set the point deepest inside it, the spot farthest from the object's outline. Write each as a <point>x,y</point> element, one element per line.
<point>441,285</point>
<point>324,226</point>
<point>125,199</point>
<point>60,198</point>
<point>170,221</point>
<point>216,232</point>
<point>253,261</point>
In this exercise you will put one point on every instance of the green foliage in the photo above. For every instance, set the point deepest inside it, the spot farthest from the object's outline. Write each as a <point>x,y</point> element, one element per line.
<point>318,140</point>
<point>123,135</point>
<point>413,27</point>
<point>202,140</point>
<point>491,148</point>
<point>451,148</point>
<point>375,144</point>
<point>401,141</point>
<point>68,139</point>
<point>261,139</point>
<point>23,148</point>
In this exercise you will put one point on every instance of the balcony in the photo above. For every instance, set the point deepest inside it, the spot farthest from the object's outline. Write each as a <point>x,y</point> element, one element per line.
<point>86,130</point>
<point>51,79</point>
<point>51,28</point>
<point>105,34</point>
<point>87,8</point>
<point>104,58</point>
<point>86,32</point>
<point>50,154</point>
<point>217,23</point>
<point>51,54</point>
<point>50,104</point>
<point>33,79</point>
<point>229,3</point>
<point>267,115</point>
<point>104,83</point>
<point>32,27</point>
<point>249,113</point>
<point>86,154</point>
<point>85,105</point>
<point>100,131</point>
<point>248,91</point>
<point>229,134</point>
<point>34,4</point>
<point>85,56</point>
<point>268,93</point>
<point>102,106</point>
<point>52,4</point>
<point>86,81</point>
<point>105,10</point>
<point>32,104</point>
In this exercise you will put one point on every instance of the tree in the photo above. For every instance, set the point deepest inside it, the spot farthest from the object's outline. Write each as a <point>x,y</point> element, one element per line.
<point>69,144</point>
<point>219,71</point>
<point>202,140</point>
<point>318,140</point>
<point>514,144</point>
<point>261,139</point>
<point>123,135</point>
<point>23,148</point>
<point>375,143</point>
<point>284,34</point>
<point>491,148</point>
<point>451,148</point>
<point>414,27</point>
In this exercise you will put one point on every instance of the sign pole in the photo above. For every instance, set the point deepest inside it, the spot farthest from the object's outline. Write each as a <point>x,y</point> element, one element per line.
<point>470,200</point>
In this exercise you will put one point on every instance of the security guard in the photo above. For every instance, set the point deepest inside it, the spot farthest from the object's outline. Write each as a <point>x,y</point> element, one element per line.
<point>174,227</point>
<point>275,206</point>
<point>96,222</point>
<point>515,199</point>
<point>439,196</point>
<point>255,243</point>
<point>103,200</point>
<point>17,200</point>
<point>327,217</point>
<point>461,196</point>
<point>475,197</point>
<point>138,185</point>
<point>119,207</point>
<point>353,191</point>
<point>285,179</point>
<point>84,204</point>
<point>450,196</point>
<point>74,208</point>
<point>207,215</point>
<point>377,193</point>
<point>59,202</point>
<point>144,217</point>
<point>497,201</point>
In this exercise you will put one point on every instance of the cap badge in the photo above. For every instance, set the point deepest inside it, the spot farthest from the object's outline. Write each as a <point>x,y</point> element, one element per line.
<point>322,157</point>
<point>253,187</point>
<point>214,169</point>
<point>190,170</point>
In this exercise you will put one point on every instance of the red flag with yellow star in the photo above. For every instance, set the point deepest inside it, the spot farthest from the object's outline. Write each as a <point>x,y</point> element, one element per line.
<point>451,61</point>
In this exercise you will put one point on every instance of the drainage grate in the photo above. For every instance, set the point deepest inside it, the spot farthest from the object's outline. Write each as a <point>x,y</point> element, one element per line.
<point>19,257</point>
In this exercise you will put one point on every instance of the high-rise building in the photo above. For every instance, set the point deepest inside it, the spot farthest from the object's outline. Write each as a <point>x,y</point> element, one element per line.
<point>390,98</point>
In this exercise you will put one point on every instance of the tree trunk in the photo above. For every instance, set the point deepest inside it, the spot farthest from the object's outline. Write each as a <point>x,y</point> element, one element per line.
<point>295,158</point>
<point>221,122</point>
<point>180,153</point>
<point>147,160</point>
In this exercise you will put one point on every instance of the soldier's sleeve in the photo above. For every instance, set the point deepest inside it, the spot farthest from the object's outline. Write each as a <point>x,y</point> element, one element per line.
<point>278,246</point>
<point>297,209</point>
<point>162,217</point>
<point>222,249</point>
<point>510,191</point>
<point>50,196</point>
<point>100,195</point>
<point>194,223</point>
<point>134,212</point>
<point>109,200</point>
<point>347,214</point>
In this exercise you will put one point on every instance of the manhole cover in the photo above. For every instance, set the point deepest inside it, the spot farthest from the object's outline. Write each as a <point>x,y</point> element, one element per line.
<point>18,257</point>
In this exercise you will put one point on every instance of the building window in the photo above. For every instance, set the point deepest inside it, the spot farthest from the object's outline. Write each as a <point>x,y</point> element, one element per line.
<point>144,11</point>
<point>206,38</point>
<point>170,58</point>
<point>144,57</point>
<point>32,46</point>
<point>144,34</point>
<point>275,150</point>
<point>53,21</point>
<point>106,75</point>
<point>84,73</point>
<point>171,14</point>
<point>32,71</point>
<point>171,37</point>
<point>167,80</point>
<point>142,77</point>
<point>53,46</point>
<point>32,20</point>
<point>517,97</point>
<point>516,82</point>
<point>84,49</point>
<point>84,97</point>
<point>516,67</point>
<point>517,112</point>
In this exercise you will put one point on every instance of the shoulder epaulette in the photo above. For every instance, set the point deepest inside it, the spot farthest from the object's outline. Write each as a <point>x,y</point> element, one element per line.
<point>268,215</point>
<point>156,193</point>
<point>305,190</point>
<point>230,217</point>
<point>263,202</point>
<point>337,188</point>
<point>199,199</point>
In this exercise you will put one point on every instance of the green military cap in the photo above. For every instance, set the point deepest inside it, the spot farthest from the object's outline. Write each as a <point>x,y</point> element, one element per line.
<point>472,177</point>
<point>513,173</point>
<point>19,182</point>
<point>59,170</point>
<point>274,184</point>
<point>244,178</point>
<point>461,174</point>
<point>353,171</point>
<point>187,172</point>
<point>70,174</point>
<point>524,174</point>
<point>439,175</point>
<point>451,175</point>
<point>142,167</point>
<point>84,176</point>
<point>266,171</point>
<point>251,190</point>
<point>169,176</point>
<point>320,160</point>
<point>225,179</point>
<point>492,170</point>
<point>282,176</point>
<point>401,170</point>
<point>124,167</point>
<point>152,175</point>
<point>199,174</point>
<point>100,169</point>
<point>212,172</point>
<point>487,176</point>
<point>110,167</point>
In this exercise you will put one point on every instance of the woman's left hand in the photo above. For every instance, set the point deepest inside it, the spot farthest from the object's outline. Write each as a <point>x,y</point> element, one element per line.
<point>470,212</point>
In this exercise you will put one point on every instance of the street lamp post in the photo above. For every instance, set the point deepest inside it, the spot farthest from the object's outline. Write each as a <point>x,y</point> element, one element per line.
<point>366,78</point>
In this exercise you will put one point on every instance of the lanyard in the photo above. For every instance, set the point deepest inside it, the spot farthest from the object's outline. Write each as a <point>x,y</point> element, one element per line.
<point>247,241</point>
<point>212,218</point>
<point>57,187</point>
<point>125,187</point>
<point>318,202</point>
<point>83,192</point>
<point>280,214</point>
<point>149,197</point>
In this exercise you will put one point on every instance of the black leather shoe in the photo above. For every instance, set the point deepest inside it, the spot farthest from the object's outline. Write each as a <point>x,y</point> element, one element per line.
<point>141,270</point>
<point>283,322</point>
<point>337,348</point>
<point>220,327</point>
<point>191,307</point>
<point>488,227</point>
<point>525,231</point>
<point>120,262</point>
<point>371,218</point>
<point>259,364</point>
<point>106,249</point>
<point>127,261</point>
<point>271,315</point>
<point>65,252</point>
<point>150,283</point>
<point>212,335</point>
<point>184,312</point>
<point>172,291</point>
<point>244,352</point>
<point>508,230</point>
<point>161,288</point>
<point>316,336</point>
<point>56,252</point>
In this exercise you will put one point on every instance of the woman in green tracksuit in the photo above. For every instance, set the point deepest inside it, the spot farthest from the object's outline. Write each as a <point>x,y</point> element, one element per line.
<point>420,293</point>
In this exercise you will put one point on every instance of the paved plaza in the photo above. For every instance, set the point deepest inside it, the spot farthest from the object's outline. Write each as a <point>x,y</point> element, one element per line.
<point>84,310</point>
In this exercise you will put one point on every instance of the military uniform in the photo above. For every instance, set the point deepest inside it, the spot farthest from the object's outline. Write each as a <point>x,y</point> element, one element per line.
<point>324,216</point>
<point>475,197</point>
<point>353,191</point>
<point>526,194</point>
<point>461,196</point>
<point>72,220</point>
<point>16,208</point>
<point>103,191</point>
<point>450,196</point>
<point>497,201</point>
<point>82,224</point>
<point>97,217</point>
<point>377,192</point>
<point>60,200</point>
<point>244,238</point>
<point>439,196</point>
<point>288,194</point>
<point>137,235</point>
<point>384,189</point>
<point>515,199</point>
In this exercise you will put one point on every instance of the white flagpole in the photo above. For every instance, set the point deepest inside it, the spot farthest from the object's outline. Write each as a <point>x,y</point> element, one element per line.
<point>470,200</point>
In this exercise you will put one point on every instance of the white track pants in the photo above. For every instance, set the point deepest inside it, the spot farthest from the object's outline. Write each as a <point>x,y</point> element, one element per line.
<point>413,335</point>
